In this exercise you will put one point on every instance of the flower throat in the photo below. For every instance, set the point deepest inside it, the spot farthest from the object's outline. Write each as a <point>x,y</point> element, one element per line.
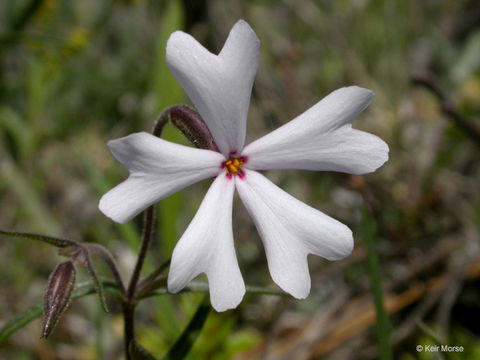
<point>233,165</point>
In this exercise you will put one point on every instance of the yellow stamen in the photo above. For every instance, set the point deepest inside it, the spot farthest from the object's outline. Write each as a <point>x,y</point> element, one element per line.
<point>233,165</point>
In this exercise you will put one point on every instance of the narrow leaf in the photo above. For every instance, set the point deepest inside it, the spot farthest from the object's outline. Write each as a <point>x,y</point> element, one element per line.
<point>184,344</point>
<point>46,239</point>
<point>20,321</point>
<point>138,352</point>
<point>97,283</point>
<point>383,323</point>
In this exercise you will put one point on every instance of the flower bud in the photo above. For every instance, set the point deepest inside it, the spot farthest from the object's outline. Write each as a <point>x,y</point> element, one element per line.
<point>190,123</point>
<point>58,295</point>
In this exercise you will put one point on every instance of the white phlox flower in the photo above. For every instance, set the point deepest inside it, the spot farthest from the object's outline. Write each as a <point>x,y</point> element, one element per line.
<point>321,138</point>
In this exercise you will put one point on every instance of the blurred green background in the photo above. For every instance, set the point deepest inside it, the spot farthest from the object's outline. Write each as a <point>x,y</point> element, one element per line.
<point>74,74</point>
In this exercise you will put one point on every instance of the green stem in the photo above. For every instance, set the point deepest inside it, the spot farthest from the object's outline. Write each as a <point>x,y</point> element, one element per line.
<point>146,283</point>
<point>383,323</point>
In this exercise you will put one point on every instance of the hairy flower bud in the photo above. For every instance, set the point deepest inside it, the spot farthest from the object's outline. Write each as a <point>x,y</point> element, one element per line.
<point>59,291</point>
<point>190,123</point>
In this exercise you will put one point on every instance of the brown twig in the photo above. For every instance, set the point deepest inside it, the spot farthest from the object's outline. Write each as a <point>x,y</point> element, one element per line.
<point>462,123</point>
<point>359,314</point>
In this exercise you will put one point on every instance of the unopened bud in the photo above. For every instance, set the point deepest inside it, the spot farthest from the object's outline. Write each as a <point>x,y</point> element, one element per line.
<point>58,295</point>
<point>190,123</point>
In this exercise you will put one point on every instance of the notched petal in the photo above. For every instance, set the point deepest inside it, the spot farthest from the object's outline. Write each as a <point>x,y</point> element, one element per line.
<point>290,230</point>
<point>322,138</point>
<point>218,85</point>
<point>158,168</point>
<point>207,247</point>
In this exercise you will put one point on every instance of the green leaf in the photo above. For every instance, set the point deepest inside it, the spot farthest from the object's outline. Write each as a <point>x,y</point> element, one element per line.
<point>138,352</point>
<point>98,284</point>
<point>383,323</point>
<point>184,344</point>
<point>20,321</point>
<point>46,239</point>
<point>12,123</point>
<point>81,290</point>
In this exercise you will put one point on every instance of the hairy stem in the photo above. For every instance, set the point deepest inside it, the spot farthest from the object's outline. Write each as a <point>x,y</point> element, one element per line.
<point>130,301</point>
<point>189,122</point>
<point>151,286</point>
<point>58,242</point>
<point>109,260</point>
<point>148,221</point>
<point>153,275</point>
<point>148,224</point>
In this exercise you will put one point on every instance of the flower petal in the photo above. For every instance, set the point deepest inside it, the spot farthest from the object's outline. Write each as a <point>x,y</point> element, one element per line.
<point>158,168</point>
<point>290,230</point>
<point>218,86</point>
<point>207,247</point>
<point>322,139</point>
